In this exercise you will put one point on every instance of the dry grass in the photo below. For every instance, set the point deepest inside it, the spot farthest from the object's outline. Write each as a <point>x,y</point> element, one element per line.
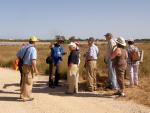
<point>140,94</point>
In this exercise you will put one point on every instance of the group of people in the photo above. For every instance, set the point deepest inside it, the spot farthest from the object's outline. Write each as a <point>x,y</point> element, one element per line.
<point>117,59</point>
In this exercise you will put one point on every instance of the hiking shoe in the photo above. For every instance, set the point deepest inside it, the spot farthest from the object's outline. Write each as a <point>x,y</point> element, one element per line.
<point>122,95</point>
<point>51,86</point>
<point>58,85</point>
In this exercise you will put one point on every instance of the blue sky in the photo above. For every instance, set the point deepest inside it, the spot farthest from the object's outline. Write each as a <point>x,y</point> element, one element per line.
<point>82,18</point>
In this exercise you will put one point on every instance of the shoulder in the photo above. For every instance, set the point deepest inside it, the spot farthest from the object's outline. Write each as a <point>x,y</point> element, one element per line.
<point>117,50</point>
<point>136,48</point>
<point>94,46</point>
<point>112,41</point>
<point>32,49</point>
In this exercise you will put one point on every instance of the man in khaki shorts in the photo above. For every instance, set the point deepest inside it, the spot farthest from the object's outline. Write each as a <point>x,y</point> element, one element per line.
<point>91,65</point>
<point>28,56</point>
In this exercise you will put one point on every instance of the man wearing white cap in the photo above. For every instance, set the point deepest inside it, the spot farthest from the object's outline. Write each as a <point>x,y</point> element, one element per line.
<point>28,56</point>
<point>73,69</point>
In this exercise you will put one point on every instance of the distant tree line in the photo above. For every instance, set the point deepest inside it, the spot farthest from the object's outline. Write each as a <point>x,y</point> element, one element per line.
<point>65,39</point>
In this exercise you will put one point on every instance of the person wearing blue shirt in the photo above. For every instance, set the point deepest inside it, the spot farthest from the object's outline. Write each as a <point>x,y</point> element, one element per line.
<point>57,52</point>
<point>28,56</point>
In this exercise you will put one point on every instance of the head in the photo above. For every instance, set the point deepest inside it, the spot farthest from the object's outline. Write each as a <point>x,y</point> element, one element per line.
<point>33,40</point>
<point>72,46</point>
<point>108,36</point>
<point>59,40</point>
<point>121,43</point>
<point>130,42</point>
<point>91,41</point>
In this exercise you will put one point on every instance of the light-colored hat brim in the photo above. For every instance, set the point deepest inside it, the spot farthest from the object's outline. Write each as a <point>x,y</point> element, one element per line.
<point>123,44</point>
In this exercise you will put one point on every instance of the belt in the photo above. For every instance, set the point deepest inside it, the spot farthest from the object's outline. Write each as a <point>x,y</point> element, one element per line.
<point>27,65</point>
<point>92,60</point>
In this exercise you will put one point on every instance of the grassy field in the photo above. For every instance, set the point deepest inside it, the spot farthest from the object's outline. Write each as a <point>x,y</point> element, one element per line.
<point>140,94</point>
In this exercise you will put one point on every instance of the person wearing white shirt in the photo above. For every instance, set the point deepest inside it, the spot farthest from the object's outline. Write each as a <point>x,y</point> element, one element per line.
<point>111,46</point>
<point>91,65</point>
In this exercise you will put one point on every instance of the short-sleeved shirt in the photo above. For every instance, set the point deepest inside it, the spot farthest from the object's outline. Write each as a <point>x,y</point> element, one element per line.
<point>57,52</point>
<point>111,45</point>
<point>30,55</point>
<point>92,52</point>
<point>73,57</point>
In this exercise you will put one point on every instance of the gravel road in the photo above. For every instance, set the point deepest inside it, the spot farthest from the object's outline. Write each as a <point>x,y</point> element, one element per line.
<point>48,100</point>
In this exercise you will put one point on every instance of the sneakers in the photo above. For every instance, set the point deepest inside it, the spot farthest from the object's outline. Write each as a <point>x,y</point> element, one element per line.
<point>121,94</point>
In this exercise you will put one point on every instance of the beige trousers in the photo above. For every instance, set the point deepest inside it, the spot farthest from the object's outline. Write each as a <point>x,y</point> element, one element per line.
<point>91,69</point>
<point>72,79</point>
<point>27,82</point>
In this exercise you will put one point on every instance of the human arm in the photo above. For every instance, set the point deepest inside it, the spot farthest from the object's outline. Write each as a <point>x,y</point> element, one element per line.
<point>117,52</point>
<point>34,63</point>
<point>35,70</point>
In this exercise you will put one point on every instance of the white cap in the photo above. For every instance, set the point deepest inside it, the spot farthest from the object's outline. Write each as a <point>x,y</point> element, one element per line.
<point>72,44</point>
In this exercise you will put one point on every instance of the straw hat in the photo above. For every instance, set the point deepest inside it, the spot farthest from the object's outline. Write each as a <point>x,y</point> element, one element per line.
<point>121,41</point>
<point>33,39</point>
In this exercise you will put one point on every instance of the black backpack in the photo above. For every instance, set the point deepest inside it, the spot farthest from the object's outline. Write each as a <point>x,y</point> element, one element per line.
<point>49,60</point>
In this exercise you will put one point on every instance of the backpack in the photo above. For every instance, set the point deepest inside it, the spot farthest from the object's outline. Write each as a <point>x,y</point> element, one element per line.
<point>20,64</point>
<point>49,60</point>
<point>135,56</point>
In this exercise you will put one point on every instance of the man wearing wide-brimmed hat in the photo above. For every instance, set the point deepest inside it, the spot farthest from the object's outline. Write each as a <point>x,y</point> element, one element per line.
<point>28,56</point>
<point>111,46</point>
<point>119,58</point>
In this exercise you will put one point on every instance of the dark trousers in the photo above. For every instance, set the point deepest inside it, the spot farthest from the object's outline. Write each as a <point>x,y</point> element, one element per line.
<point>57,73</point>
<point>54,74</point>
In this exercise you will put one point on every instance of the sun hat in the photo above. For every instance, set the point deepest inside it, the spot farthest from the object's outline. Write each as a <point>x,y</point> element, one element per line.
<point>33,39</point>
<point>121,41</point>
<point>72,44</point>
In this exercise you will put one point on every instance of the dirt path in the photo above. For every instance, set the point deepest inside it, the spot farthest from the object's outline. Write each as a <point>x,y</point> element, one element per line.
<point>55,101</point>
